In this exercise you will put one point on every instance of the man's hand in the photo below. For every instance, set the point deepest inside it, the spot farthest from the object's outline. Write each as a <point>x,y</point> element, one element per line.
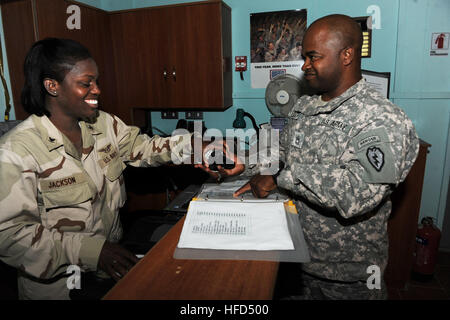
<point>260,185</point>
<point>116,260</point>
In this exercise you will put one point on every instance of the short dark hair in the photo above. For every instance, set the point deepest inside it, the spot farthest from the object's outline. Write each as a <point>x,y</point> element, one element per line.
<point>48,58</point>
<point>346,30</point>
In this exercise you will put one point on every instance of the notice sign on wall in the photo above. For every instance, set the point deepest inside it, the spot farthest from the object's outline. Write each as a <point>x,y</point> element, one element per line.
<point>276,45</point>
<point>439,43</point>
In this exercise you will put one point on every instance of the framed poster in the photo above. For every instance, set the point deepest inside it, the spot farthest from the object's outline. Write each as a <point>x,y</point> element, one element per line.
<point>379,80</point>
<point>275,45</point>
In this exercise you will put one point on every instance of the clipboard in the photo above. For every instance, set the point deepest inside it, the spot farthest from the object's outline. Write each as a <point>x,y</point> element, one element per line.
<point>299,254</point>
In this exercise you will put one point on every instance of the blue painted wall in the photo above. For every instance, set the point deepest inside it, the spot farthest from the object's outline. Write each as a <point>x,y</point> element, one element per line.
<point>422,89</point>
<point>420,83</point>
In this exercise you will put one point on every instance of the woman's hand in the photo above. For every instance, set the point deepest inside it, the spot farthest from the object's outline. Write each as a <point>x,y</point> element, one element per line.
<point>221,172</point>
<point>115,260</point>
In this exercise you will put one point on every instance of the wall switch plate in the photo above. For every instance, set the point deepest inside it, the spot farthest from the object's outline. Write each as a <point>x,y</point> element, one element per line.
<point>169,114</point>
<point>194,115</point>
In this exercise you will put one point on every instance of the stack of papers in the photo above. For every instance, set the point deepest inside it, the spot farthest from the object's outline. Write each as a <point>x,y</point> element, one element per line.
<point>225,190</point>
<point>237,225</point>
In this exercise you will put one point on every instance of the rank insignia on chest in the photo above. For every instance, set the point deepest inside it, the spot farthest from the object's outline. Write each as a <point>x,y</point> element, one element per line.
<point>297,140</point>
<point>375,157</point>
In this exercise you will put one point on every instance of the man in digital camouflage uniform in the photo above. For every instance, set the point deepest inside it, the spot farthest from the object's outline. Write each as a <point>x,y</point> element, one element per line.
<point>344,151</point>
<point>59,207</point>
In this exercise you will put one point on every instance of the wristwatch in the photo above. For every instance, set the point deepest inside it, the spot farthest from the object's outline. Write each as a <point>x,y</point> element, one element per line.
<point>281,167</point>
<point>213,154</point>
<point>209,159</point>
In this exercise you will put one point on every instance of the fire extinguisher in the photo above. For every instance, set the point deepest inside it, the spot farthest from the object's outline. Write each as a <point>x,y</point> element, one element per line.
<point>427,245</point>
<point>440,41</point>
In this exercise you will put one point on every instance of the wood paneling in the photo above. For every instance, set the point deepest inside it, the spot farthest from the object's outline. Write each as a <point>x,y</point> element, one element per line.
<point>18,28</point>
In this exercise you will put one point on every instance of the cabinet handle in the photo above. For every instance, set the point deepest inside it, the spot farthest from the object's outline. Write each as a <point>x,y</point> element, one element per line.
<point>165,74</point>
<point>174,74</point>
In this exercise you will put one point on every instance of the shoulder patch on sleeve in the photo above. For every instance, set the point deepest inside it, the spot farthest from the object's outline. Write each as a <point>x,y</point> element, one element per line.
<point>374,152</point>
<point>376,157</point>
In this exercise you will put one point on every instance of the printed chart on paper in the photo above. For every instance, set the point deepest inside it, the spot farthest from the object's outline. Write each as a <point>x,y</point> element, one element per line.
<point>236,226</point>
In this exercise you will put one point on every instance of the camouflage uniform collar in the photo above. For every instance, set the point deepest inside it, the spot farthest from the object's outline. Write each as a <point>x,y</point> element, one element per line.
<point>53,138</point>
<point>88,131</point>
<point>307,105</point>
<point>50,135</point>
<point>91,128</point>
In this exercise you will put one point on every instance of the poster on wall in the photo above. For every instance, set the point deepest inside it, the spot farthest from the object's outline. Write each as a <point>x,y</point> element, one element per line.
<point>275,45</point>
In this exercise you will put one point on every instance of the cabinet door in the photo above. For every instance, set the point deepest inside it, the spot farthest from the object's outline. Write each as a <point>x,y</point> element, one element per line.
<point>140,46</point>
<point>195,56</point>
<point>156,57</point>
<point>129,29</point>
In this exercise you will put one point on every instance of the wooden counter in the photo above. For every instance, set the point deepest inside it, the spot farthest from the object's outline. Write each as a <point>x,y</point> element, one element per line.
<point>159,276</point>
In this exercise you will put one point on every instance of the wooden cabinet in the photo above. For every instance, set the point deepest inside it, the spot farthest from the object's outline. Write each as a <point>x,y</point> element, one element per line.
<point>26,21</point>
<point>200,33</point>
<point>402,224</point>
<point>156,58</point>
<point>174,56</point>
<point>137,44</point>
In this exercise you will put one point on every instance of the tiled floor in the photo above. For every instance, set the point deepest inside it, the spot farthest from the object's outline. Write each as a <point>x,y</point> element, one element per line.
<point>436,289</point>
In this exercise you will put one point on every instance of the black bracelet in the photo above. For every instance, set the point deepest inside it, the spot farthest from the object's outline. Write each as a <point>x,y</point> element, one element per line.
<point>281,167</point>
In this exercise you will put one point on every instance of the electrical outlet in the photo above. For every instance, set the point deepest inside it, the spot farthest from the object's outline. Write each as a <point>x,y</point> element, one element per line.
<point>194,115</point>
<point>169,114</point>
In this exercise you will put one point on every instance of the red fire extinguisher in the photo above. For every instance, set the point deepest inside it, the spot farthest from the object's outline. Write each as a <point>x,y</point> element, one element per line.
<point>440,41</point>
<point>427,245</point>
